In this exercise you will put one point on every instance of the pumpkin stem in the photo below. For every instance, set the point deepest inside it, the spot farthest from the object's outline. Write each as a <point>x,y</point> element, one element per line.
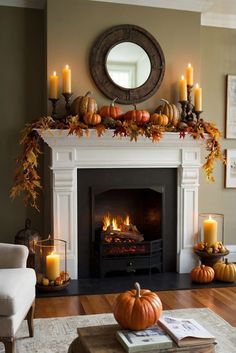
<point>226,261</point>
<point>134,105</point>
<point>164,100</point>
<point>138,290</point>
<point>113,102</point>
<point>88,94</point>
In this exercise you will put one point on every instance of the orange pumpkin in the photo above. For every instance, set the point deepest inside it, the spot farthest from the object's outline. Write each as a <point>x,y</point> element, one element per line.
<point>92,118</point>
<point>225,271</point>
<point>137,309</point>
<point>111,111</point>
<point>84,104</point>
<point>159,119</point>
<point>202,274</point>
<point>170,110</point>
<point>138,116</point>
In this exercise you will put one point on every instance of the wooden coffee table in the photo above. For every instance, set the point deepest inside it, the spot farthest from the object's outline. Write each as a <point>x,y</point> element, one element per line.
<point>102,339</point>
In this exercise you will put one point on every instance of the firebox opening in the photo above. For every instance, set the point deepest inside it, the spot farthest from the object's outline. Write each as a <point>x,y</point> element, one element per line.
<point>146,243</point>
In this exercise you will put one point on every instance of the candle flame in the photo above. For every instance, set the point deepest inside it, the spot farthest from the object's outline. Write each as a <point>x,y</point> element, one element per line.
<point>182,77</point>
<point>197,85</point>
<point>210,217</point>
<point>189,65</point>
<point>67,67</point>
<point>54,73</point>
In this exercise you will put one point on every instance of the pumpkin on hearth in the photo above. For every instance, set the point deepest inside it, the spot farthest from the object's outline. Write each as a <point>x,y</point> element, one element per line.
<point>92,118</point>
<point>225,271</point>
<point>84,104</point>
<point>111,111</point>
<point>202,274</point>
<point>159,119</point>
<point>171,110</point>
<point>138,116</point>
<point>137,309</point>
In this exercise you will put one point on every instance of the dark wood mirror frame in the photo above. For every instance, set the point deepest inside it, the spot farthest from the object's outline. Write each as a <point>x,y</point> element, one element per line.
<point>98,57</point>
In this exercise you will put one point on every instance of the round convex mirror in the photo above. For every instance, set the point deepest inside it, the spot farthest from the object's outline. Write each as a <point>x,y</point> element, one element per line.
<point>119,43</point>
<point>128,65</point>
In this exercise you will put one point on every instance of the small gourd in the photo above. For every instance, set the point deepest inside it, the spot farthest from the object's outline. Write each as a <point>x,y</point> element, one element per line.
<point>84,104</point>
<point>140,117</point>
<point>159,119</point>
<point>111,111</point>
<point>225,271</point>
<point>137,309</point>
<point>92,118</point>
<point>202,274</point>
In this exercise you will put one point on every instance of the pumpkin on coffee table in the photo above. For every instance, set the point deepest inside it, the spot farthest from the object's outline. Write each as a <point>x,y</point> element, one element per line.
<point>137,309</point>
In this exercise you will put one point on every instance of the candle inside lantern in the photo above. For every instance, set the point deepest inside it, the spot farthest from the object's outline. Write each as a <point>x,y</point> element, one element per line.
<point>52,266</point>
<point>198,98</point>
<point>189,75</point>
<point>210,231</point>
<point>182,89</point>
<point>66,79</point>
<point>53,87</point>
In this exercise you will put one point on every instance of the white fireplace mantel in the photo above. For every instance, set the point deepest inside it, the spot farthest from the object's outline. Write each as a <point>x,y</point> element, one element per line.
<point>70,153</point>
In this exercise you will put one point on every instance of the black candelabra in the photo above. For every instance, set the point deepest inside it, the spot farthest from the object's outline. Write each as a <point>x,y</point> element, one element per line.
<point>188,112</point>
<point>54,101</point>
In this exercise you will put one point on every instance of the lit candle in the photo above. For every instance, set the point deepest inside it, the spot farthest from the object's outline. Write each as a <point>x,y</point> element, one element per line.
<point>52,266</point>
<point>66,79</point>
<point>210,231</point>
<point>189,74</point>
<point>198,98</point>
<point>182,89</point>
<point>53,91</point>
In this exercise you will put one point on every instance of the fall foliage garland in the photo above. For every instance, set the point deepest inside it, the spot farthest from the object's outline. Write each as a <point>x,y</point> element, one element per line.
<point>27,180</point>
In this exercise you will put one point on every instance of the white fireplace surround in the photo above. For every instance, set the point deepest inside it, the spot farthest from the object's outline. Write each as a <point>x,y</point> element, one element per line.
<point>68,153</point>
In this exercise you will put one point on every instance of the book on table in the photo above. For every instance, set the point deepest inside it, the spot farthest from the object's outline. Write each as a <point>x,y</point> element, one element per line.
<point>186,332</point>
<point>144,340</point>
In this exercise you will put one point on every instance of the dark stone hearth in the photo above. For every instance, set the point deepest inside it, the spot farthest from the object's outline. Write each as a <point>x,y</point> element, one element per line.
<point>154,282</point>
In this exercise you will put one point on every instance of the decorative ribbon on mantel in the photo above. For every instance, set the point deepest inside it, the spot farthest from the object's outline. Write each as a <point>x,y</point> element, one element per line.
<point>27,182</point>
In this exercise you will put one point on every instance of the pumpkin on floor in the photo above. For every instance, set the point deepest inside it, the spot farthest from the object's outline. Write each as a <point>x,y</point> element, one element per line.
<point>138,116</point>
<point>84,104</point>
<point>225,271</point>
<point>137,309</point>
<point>202,274</point>
<point>171,110</point>
<point>111,111</point>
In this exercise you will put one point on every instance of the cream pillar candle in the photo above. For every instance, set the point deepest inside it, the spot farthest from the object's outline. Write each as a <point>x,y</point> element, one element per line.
<point>66,79</point>
<point>182,89</point>
<point>210,231</point>
<point>53,86</point>
<point>198,98</point>
<point>189,75</point>
<point>52,266</point>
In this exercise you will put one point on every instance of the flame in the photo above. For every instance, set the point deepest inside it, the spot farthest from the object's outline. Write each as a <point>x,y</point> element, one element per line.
<point>115,225</point>
<point>114,222</point>
<point>127,220</point>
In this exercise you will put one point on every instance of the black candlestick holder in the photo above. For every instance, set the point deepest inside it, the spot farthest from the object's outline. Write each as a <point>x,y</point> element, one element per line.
<point>188,112</point>
<point>54,103</point>
<point>198,114</point>
<point>67,97</point>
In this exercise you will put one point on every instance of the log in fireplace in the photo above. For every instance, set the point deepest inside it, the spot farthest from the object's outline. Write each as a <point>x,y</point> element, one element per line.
<point>127,221</point>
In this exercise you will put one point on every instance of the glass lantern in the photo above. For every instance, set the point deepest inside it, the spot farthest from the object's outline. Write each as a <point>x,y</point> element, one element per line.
<point>51,264</point>
<point>211,228</point>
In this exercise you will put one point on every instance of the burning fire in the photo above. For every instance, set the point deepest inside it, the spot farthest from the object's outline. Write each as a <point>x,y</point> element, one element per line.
<point>114,222</point>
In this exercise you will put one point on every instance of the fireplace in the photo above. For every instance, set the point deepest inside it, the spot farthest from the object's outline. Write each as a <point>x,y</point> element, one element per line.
<point>127,221</point>
<point>72,155</point>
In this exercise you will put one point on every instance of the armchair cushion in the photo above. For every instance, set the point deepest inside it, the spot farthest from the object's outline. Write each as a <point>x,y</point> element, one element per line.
<point>13,256</point>
<point>17,286</point>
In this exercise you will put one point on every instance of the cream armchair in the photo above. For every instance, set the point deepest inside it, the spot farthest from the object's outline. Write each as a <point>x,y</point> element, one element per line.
<point>17,293</point>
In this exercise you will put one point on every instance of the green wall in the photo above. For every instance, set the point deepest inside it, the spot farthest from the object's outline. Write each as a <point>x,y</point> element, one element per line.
<point>22,63</point>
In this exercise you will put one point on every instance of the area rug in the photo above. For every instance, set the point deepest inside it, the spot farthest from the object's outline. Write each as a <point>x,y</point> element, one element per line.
<point>54,335</point>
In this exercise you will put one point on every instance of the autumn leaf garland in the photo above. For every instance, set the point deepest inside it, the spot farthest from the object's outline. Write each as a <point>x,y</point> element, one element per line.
<point>27,181</point>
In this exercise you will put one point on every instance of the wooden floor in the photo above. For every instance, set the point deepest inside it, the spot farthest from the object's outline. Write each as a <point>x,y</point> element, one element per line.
<point>221,300</point>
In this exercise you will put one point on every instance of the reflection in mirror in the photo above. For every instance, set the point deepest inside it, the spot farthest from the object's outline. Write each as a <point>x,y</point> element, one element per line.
<point>128,65</point>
